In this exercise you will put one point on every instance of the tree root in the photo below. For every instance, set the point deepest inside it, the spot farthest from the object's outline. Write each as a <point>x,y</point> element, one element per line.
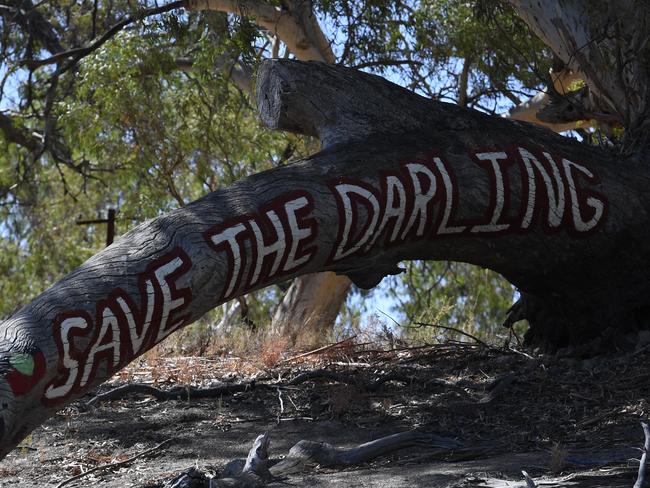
<point>192,393</point>
<point>176,393</point>
<point>258,470</point>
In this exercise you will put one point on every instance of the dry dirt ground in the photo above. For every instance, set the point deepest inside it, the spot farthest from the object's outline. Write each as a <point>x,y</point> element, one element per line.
<point>567,421</point>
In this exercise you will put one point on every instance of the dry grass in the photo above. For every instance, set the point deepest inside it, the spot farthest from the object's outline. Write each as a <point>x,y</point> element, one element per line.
<point>247,351</point>
<point>273,350</point>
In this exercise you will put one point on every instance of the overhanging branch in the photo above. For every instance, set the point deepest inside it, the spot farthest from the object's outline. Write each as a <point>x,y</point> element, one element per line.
<point>567,109</point>
<point>279,22</point>
<point>25,14</point>
<point>238,72</point>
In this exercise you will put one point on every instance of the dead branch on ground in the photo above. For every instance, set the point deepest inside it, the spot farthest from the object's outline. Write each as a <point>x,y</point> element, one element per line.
<point>258,470</point>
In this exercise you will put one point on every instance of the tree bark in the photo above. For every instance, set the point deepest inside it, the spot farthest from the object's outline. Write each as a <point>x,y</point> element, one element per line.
<point>399,177</point>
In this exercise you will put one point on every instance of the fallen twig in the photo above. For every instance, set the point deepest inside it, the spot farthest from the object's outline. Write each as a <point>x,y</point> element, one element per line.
<point>114,465</point>
<point>322,374</point>
<point>281,405</point>
<point>498,387</point>
<point>640,480</point>
<point>349,379</point>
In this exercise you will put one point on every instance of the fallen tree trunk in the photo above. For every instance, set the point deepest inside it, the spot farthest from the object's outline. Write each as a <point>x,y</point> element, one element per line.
<point>399,177</point>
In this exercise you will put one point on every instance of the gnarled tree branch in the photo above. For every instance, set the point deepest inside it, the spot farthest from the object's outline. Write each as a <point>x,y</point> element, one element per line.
<point>74,55</point>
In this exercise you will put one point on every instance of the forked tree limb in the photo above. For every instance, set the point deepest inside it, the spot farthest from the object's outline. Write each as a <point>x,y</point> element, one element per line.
<point>176,393</point>
<point>30,19</point>
<point>309,453</point>
<point>535,109</point>
<point>399,177</point>
<point>313,301</point>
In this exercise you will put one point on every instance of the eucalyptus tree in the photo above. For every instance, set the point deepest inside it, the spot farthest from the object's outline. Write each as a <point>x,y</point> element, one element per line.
<point>399,176</point>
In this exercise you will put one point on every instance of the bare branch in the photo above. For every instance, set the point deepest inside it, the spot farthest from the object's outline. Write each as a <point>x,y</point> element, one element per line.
<point>239,73</point>
<point>559,113</point>
<point>603,46</point>
<point>462,84</point>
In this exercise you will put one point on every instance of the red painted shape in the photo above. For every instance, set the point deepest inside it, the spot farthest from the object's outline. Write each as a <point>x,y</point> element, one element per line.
<point>20,383</point>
